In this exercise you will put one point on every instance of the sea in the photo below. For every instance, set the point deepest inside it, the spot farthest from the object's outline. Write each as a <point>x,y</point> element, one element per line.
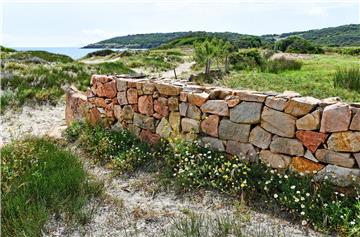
<point>73,52</point>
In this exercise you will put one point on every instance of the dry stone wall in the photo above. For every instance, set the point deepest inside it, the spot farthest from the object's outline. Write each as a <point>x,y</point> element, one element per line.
<point>286,131</point>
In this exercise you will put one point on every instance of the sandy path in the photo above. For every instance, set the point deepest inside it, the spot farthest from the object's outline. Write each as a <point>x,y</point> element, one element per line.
<point>180,69</point>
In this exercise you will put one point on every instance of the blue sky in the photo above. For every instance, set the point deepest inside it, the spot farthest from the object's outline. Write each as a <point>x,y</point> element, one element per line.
<point>77,23</point>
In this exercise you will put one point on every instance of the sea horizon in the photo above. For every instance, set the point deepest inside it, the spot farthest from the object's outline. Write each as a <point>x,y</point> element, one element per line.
<point>73,52</point>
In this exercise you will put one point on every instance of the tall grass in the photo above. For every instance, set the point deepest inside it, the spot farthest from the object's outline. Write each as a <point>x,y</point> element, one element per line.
<point>348,78</point>
<point>281,64</point>
<point>38,179</point>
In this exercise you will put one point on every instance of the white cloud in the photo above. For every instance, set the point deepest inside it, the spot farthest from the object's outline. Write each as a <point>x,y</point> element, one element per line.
<point>318,11</point>
<point>100,33</point>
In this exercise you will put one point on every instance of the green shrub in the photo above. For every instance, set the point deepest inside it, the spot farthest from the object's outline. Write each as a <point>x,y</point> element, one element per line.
<point>48,57</point>
<point>246,59</point>
<point>100,53</point>
<point>6,49</point>
<point>296,44</point>
<point>348,78</point>
<point>39,179</point>
<point>118,148</point>
<point>281,64</point>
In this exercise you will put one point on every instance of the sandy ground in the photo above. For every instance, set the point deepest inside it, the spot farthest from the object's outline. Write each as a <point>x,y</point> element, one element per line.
<point>136,205</point>
<point>32,120</point>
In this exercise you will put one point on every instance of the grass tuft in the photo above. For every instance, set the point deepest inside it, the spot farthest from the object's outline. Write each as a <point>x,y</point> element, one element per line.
<point>348,78</point>
<point>38,179</point>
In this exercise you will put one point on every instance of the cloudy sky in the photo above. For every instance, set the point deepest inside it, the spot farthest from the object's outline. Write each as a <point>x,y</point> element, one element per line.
<point>51,23</point>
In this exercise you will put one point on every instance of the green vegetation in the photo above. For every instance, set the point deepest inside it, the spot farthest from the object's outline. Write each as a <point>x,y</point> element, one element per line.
<point>119,149</point>
<point>355,51</point>
<point>188,166</point>
<point>315,78</point>
<point>194,225</point>
<point>295,44</point>
<point>348,78</point>
<point>5,49</point>
<point>45,56</point>
<point>281,64</point>
<point>39,178</point>
<point>101,53</point>
<point>24,81</point>
<point>138,41</point>
<point>345,35</point>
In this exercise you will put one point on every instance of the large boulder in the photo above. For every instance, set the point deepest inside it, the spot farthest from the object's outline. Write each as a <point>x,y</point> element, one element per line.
<point>335,158</point>
<point>309,121</point>
<point>218,107</point>
<point>233,131</point>
<point>311,140</point>
<point>144,121</point>
<point>355,123</point>
<point>212,143</point>
<point>246,112</point>
<point>168,89</point>
<point>344,141</point>
<point>300,106</point>
<point>275,160</point>
<point>260,137</point>
<point>287,146</point>
<point>276,103</point>
<point>149,137</point>
<point>164,129</point>
<point>197,99</point>
<point>146,105</point>
<point>335,118</point>
<point>161,106</point>
<point>241,150</point>
<point>174,120</point>
<point>303,165</point>
<point>132,96</point>
<point>193,112</point>
<point>190,125</point>
<point>340,176</point>
<point>210,125</point>
<point>277,122</point>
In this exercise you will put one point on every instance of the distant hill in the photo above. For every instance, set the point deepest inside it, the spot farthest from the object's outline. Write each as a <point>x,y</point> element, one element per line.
<point>346,35</point>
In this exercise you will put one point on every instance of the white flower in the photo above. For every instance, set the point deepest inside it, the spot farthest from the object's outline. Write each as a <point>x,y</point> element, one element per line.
<point>302,206</point>
<point>352,222</point>
<point>307,194</point>
<point>302,213</point>
<point>304,222</point>
<point>285,176</point>
<point>293,187</point>
<point>275,195</point>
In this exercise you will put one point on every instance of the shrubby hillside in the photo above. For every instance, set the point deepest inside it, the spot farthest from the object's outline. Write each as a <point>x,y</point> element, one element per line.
<point>346,35</point>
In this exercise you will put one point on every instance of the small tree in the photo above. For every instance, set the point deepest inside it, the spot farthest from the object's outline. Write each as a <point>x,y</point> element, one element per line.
<point>204,54</point>
<point>214,49</point>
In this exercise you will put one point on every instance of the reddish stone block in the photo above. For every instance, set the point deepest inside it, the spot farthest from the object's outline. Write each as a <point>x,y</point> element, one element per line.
<point>160,106</point>
<point>132,96</point>
<point>94,116</point>
<point>311,140</point>
<point>303,165</point>
<point>146,105</point>
<point>210,125</point>
<point>149,137</point>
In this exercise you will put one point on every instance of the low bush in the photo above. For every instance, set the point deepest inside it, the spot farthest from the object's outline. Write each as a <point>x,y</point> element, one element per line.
<point>348,78</point>
<point>100,53</point>
<point>281,64</point>
<point>39,178</point>
<point>119,149</point>
<point>296,44</point>
<point>189,166</point>
<point>246,59</point>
